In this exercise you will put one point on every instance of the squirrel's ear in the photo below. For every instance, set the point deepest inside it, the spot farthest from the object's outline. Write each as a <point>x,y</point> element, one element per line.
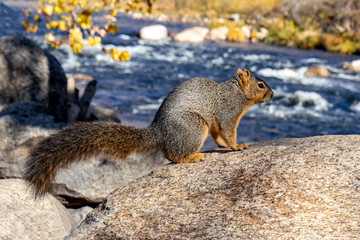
<point>239,71</point>
<point>244,78</point>
<point>247,73</point>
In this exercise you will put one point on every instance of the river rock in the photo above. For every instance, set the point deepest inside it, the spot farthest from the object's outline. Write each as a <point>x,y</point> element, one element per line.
<point>79,77</point>
<point>247,31</point>
<point>283,189</point>
<point>352,66</point>
<point>154,32</point>
<point>218,34</point>
<point>235,17</point>
<point>191,35</point>
<point>317,71</point>
<point>261,34</point>
<point>29,73</point>
<point>23,217</point>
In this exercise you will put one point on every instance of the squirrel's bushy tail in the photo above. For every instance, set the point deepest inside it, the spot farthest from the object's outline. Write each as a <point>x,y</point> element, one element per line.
<point>80,141</point>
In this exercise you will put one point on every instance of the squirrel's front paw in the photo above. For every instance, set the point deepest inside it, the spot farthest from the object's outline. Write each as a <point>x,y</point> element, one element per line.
<point>241,146</point>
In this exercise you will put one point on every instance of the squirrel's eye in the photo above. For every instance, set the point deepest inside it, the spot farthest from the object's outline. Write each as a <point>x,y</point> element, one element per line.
<point>261,85</point>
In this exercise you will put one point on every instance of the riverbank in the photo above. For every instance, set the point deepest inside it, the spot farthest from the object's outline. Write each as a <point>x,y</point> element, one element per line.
<point>278,22</point>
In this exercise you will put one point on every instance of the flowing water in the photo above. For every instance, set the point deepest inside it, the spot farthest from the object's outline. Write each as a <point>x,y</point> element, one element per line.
<point>302,106</point>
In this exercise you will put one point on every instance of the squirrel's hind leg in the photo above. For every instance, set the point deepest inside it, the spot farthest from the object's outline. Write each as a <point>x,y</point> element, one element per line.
<point>188,134</point>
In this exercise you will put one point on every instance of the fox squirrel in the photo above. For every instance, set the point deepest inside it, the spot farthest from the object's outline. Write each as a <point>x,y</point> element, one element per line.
<point>192,110</point>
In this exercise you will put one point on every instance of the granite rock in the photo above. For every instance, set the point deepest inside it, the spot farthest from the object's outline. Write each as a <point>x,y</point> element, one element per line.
<point>23,217</point>
<point>283,189</point>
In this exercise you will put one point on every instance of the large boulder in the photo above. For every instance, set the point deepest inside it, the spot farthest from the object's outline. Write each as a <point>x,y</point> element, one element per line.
<point>23,217</point>
<point>29,73</point>
<point>154,32</point>
<point>89,182</point>
<point>282,189</point>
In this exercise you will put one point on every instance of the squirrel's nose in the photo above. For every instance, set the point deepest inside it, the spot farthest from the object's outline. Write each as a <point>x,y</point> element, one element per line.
<point>271,94</point>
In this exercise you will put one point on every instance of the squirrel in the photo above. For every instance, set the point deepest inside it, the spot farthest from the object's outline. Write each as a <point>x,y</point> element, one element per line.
<point>192,110</point>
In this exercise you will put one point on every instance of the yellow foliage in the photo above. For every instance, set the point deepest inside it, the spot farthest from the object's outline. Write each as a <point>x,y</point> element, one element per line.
<point>26,13</point>
<point>119,55</point>
<point>41,3</point>
<point>54,24</point>
<point>76,19</point>
<point>75,36</point>
<point>330,40</point>
<point>84,20</point>
<point>115,54</point>
<point>68,20</point>
<point>29,27</point>
<point>125,56</point>
<point>76,47</point>
<point>236,35</point>
<point>113,13</point>
<point>94,41</point>
<point>37,18</point>
<point>50,37</point>
<point>253,7</point>
<point>62,26</point>
<point>58,10</point>
<point>111,28</point>
<point>348,47</point>
<point>48,9</point>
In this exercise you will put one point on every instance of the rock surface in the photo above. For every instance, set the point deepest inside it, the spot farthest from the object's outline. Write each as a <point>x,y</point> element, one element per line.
<point>352,66</point>
<point>89,182</point>
<point>218,34</point>
<point>192,35</point>
<point>22,121</point>
<point>23,217</point>
<point>283,189</point>
<point>29,73</point>
<point>317,71</point>
<point>154,32</point>
<point>79,214</point>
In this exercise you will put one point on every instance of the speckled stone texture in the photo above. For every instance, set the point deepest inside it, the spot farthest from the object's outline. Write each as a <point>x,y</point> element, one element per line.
<point>23,217</point>
<point>284,189</point>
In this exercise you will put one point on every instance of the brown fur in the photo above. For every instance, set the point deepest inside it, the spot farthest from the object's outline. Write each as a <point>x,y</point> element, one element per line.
<point>181,125</point>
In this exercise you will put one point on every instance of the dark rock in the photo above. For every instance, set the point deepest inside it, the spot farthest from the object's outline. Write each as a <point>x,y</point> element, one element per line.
<point>29,73</point>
